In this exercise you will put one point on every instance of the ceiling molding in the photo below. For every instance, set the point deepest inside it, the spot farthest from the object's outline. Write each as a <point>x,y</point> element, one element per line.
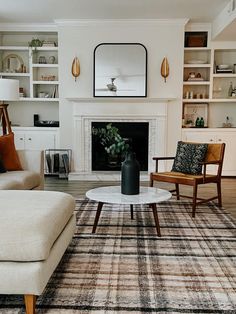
<point>28,27</point>
<point>123,22</point>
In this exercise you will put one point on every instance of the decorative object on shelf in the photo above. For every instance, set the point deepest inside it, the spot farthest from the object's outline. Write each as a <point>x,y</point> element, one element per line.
<point>195,77</point>
<point>9,90</point>
<point>193,61</point>
<point>42,60</point>
<point>193,113</point>
<point>75,69</point>
<point>223,68</point>
<point>227,123</point>
<point>130,175</point>
<point>52,60</point>
<point>195,39</point>
<point>43,95</point>
<point>35,43</point>
<point>165,69</point>
<point>13,63</point>
<point>231,89</point>
<point>45,123</point>
<point>49,43</point>
<point>21,92</point>
<point>47,78</point>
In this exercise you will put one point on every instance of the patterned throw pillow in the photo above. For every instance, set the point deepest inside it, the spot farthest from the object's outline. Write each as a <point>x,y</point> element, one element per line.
<point>188,157</point>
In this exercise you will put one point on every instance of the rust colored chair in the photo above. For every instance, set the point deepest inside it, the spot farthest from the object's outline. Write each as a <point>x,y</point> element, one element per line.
<point>214,156</point>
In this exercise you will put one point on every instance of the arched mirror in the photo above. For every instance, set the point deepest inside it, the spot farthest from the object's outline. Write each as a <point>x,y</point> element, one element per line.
<point>120,70</point>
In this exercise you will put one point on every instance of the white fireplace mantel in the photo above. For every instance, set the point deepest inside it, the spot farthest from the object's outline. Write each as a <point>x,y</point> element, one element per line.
<point>88,110</point>
<point>121,99</point>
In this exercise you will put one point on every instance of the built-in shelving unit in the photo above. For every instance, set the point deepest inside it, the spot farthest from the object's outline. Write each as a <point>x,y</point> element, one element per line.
<point>209,98</point>
<point>37,72</point>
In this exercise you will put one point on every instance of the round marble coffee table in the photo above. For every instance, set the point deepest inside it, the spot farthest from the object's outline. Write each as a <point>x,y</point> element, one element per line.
<point>112,195</point>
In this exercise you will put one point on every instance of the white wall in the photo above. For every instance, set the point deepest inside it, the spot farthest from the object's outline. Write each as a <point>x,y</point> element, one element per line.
<point>161,38</point>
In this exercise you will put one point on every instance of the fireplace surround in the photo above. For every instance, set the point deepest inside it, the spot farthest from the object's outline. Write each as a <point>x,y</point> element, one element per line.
<point>90,110</point>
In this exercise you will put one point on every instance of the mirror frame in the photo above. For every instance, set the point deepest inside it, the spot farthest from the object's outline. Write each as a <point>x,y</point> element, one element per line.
<point>94,71</point>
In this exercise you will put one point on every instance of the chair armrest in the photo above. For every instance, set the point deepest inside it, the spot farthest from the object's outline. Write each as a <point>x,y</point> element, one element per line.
<point>213,162</point>
<point>161,158</point>
<point>33,160</point>
<point>205,163</point>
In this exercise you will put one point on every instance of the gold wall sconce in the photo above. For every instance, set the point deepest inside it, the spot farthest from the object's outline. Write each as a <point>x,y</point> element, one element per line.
<point>165,69</point>
<point>75,69</point>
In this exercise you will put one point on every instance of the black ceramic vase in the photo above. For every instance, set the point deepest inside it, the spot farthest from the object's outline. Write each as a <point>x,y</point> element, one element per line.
<point>130,172</point>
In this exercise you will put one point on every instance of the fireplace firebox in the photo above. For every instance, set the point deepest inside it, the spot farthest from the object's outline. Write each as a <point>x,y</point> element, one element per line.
<point>134,133</point>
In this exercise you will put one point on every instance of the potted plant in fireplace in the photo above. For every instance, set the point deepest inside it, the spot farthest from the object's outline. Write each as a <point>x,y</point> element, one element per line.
<point>114,144</point>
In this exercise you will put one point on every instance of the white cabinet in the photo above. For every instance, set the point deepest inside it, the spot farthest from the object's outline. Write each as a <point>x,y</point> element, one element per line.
<point>36,138</point>
<point>216,136</point>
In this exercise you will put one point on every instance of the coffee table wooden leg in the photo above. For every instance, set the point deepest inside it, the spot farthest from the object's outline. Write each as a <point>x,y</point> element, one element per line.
<point>99,209</point>
<point>155,214</point>
<point>132,211</point>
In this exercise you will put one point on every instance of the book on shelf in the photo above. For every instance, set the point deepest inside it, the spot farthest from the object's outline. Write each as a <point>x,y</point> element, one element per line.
<point>65,161</point>
<point>55,158</point>
<point>48,163</point>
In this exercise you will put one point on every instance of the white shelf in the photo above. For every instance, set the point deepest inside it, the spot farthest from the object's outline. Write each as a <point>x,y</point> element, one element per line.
<point>39,99</point>
<point>196,100</point>
<point>224,75</point>
<point>196,83</point>
<point>46,82</point>
<point>16,48</point>
<point>121,99</point>
<point>14,74</point>
<point>212,100</point>
<point>44,65</point>
<point>197,65</point>
<point>197,49</point>
<point>223,99</point>
<point>45,49</point>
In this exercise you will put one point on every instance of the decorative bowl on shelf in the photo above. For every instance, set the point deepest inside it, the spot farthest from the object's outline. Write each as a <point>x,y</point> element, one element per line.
<point>196,62</point>
<point>223,66</point>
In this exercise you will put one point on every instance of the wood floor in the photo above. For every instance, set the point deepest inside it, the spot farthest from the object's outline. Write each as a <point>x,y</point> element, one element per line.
<point>79,188</point>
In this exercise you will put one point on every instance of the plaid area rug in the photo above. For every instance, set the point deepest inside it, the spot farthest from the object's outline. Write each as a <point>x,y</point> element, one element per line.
<point>126,268</point>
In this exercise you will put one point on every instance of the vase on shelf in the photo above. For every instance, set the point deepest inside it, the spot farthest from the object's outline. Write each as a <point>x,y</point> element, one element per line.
<point>130,175</point>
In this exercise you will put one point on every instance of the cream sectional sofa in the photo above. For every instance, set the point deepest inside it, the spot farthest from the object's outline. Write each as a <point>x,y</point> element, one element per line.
<point>31,178</point>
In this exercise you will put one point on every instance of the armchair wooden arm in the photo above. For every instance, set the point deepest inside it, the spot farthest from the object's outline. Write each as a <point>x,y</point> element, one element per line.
<point>205,163</point>
<point>161,158</point>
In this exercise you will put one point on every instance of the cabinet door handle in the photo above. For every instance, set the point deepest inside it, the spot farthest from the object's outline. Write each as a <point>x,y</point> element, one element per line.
<point>219,139</point>
<point>211,140</point>
<point>21,138</point>
<point>29,138</point>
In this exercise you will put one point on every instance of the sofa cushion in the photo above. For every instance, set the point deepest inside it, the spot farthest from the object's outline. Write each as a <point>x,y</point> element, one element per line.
<point>19,180</point>
<point>189,157</point>
<point>30,222</point>
<point>8,153</point>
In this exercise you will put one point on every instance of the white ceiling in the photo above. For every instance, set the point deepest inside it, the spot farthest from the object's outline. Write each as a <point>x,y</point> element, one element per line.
<point>46,11</point>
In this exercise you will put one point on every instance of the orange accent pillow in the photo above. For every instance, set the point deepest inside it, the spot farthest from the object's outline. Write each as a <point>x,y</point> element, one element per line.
<point>8,153</point>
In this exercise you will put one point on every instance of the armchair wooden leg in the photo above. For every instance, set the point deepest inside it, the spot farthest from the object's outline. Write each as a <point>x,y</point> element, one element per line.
<point>151,181</point>
<point>132,211</point>
<point>177,190</point>
<point>194,200</point>
<point>219,194</point>
<point>30,301</point>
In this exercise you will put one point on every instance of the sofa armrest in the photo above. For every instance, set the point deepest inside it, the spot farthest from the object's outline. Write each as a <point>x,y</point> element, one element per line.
<point>33,160</point>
